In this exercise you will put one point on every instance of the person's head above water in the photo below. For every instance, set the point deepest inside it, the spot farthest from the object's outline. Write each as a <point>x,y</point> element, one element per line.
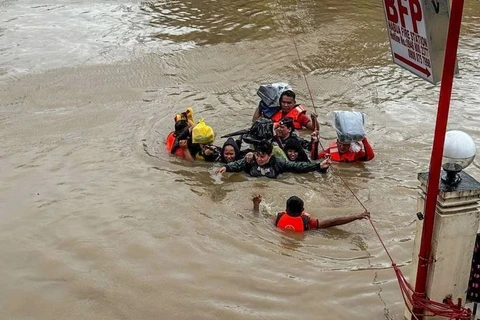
<point>294,151</point>
<point>263,152</point>
<point>294,206</point>
<point>343,146</point>
<point>287,101</point>
<point>180,125</point>
<point>285,127</point>
<point>230,151</point>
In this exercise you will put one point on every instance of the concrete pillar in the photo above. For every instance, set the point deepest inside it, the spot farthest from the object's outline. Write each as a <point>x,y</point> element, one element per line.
<point>456,225</point>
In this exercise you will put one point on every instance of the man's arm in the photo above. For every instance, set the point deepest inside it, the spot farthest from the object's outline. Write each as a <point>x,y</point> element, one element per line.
<point>306,122</point>
<point>256,203</point>
<point>187,155</point>
<point>236,166</point>
<point>369,154</point>
<point>324,224</point>
<point>302,167</point>
<point>183,144</point>
<point>257,114</point>
<point>310,126</point>
<point>314,141</point>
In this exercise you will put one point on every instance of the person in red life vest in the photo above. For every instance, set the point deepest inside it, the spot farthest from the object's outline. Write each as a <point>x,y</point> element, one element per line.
<point>295,218</point>
<point>171,141</point>
<point>289,108</point>
<point>339,151</point>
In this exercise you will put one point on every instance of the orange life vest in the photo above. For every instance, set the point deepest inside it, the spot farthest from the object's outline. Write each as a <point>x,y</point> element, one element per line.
<point>286,221</point>
<point>170,141</point>
<point>294,113</point>
<point>348,156</point>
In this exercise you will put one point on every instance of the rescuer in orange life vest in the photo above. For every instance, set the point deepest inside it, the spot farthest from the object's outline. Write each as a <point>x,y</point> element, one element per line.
<point>339,151</point>
<point>289,108</point>
<point>296,219</point>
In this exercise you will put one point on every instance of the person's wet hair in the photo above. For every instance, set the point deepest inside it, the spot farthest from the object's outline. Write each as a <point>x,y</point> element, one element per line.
<point>180,125</point>
<point>294,144</point>
<point>264,146</point>
<point>288,93</point>
<point>294,206</point>
<point>287,122</point>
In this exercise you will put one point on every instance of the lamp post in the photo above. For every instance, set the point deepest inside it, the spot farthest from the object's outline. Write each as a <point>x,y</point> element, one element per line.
<point>458,153</point>
<point>456,220</point>
<point>451,47</point>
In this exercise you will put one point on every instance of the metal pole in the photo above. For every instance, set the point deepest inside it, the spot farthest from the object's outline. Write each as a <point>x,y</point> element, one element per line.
<point>437,150</point>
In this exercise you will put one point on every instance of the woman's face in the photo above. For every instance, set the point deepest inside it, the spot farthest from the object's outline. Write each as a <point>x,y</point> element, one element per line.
<point>229,154</point>
<point>292,155</point>
<point>283,131</point>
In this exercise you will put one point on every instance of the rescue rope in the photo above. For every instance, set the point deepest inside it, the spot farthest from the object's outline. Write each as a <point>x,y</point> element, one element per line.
<point>304,75</point>
<point>412,299</point>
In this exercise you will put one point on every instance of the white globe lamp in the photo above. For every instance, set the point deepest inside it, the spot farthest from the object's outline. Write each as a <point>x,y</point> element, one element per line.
<point>458,153</point>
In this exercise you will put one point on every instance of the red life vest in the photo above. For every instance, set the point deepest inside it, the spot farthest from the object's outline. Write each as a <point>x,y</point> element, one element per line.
<point>170,141</point>
<point>348,156</point>
<point>286,221</point>
<point>294,113</point>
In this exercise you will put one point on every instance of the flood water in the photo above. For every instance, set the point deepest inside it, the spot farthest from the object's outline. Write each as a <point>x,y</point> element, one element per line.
<point>98,222</point>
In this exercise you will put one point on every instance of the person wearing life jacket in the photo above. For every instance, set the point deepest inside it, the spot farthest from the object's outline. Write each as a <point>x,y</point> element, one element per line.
<point>295,218</point>
<point>197,143</point>
<point>269,99</point>
<point>180,126</point>
<point>297,112</point>
<point>182,121</point>
<point>342,151</point>
<point>264,164</point>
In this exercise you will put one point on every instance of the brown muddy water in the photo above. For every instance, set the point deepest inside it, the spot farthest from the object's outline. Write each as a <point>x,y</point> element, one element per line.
<point>98,222</point>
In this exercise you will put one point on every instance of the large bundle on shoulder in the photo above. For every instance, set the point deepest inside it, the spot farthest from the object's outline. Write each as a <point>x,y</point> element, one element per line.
<point>270,96</point>
<point>349,126</point>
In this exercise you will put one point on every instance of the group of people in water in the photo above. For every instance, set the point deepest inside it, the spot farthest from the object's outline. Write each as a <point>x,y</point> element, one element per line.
<point>273,147</point>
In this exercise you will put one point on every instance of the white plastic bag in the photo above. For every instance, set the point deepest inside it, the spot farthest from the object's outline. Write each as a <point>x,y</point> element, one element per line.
<point>349,126</point>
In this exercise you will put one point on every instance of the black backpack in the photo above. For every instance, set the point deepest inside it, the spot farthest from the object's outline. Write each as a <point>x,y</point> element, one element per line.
<point>262,129</point>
